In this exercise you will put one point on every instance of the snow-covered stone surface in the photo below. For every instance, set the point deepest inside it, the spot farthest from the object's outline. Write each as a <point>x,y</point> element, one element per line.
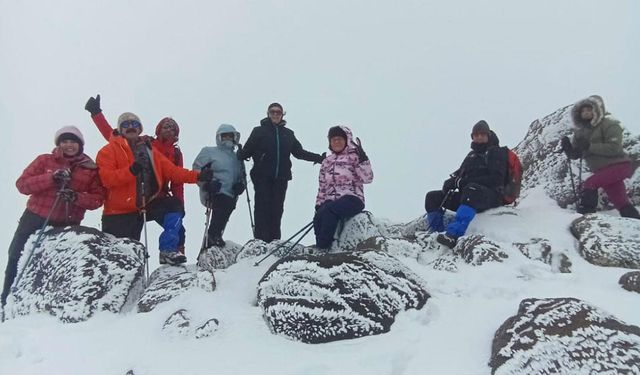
<point>259,249</point>
<point>630,281</point>
<point>609,241</point>
<point>76,272</point>
<point>542,250</point>
<point>339,296</point>
<point>566,336</point>
<point>544,165</point>
<point>216,257</point>
<point>357,229</point>
<point>178,324</point>
<point>168,282</point>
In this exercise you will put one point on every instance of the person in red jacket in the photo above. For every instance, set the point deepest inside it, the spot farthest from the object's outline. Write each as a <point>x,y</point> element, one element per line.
<point>165,141</point>
<point>134,172</point>
<point>61,185</point>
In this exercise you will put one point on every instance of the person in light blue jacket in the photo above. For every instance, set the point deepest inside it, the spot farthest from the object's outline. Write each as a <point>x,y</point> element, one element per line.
<point>221,193</point>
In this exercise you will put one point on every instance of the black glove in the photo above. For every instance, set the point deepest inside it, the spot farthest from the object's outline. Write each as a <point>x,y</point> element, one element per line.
<point>68,195</point>
<point>206,174</point>
<point>460,183</point>
<point>582,144</point>
<point>320,159</point>
<point>212,187</point>
<point>238,188</point>
<point>362,156</point>
<point>449,184</point>
<point>317,207</point>
<point>135,168</point>
<point>93,105</point>
<point>61,176</point>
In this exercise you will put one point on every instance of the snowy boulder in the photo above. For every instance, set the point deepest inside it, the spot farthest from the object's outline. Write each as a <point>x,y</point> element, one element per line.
<point>207,329</point>
<point>541,249</point>
<point>258,248</point>
<point>631,281</point>
<point>76,272</point>
<point>357,229</point>
<point>609,241</point>
<point>168,282</point>
<point>178,324</point>
<point>564,335</point>
<point>544,165</point>
<point>316,299</point>
<point>477,249</point>
<point>215,257</point>
<point>397,247</point>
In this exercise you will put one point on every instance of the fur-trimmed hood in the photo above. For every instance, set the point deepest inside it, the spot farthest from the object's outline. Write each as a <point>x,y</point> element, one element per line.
<point>599,112</point>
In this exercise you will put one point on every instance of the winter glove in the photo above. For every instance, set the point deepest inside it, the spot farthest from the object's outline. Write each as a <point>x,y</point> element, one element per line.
<point>362,156</point>
<point>212,187</point>
<point>135,168</point>
<point>320,159</point>
<point>61,176</point>
<point>93,105</point>
<point>68,195</point>
<point>238,188</point>
<point>565,143</point>
<point>460,183</point>
<point>206,174</point>
<point>582,144</point>
<point>449,184</point>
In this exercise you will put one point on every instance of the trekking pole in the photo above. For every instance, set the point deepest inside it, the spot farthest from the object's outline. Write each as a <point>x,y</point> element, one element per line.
<point>205,237</point>
<point>308,226</point>
<point>573,184</point>
<point>144,225</point>
<point>39,238</point>
<point>290,249</point>
<point>246,187</point>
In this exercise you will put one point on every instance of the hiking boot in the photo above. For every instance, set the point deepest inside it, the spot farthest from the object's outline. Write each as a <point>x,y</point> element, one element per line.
<point>588,202</point>
<point>629,211</point>
<point>172,258</point>
<point>216,241</point>
<point>447,240</point>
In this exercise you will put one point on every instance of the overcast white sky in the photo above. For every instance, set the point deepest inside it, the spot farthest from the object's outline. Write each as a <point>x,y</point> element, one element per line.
<point>409,77</point>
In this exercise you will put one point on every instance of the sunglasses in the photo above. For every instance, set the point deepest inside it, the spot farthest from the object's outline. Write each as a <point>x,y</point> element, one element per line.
<point>130,124</point>
<point>275,112</point>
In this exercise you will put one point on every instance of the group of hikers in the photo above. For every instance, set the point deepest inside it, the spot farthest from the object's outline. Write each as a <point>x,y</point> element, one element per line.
<point>140,178</point>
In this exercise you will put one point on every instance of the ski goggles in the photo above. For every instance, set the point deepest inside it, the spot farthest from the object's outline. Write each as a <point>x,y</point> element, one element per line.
<point>130,124</point>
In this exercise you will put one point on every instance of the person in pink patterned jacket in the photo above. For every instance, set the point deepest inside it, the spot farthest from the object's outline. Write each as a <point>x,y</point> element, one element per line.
<point>341,192</point>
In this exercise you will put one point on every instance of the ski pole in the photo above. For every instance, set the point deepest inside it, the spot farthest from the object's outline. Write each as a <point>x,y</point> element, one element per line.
<point>246,186</point>
<point>290,249</point>
<point>144,225</point>
<point>573,184</point>
<point>39,238</point>
<point>310,225</point>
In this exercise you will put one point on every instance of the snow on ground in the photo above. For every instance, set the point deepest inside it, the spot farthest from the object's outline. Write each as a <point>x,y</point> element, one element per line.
<point>452,334</point>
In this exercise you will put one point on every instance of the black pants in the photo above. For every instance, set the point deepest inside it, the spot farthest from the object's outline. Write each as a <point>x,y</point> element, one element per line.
<point>269,207</point>
<point>29,224</point>
<point>478,197</point>
<point>222,206</point>
<point>326,219</point>
<point>130,225</point>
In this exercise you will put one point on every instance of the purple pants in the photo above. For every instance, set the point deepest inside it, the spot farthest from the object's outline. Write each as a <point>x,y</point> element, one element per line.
<point>611,179</point>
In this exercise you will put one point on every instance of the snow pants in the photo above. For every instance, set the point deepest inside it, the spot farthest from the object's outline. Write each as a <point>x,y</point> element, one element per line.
<point>222,206</point>
<point>611,180</point>
<point>330,213</point>
<point>269,207</point>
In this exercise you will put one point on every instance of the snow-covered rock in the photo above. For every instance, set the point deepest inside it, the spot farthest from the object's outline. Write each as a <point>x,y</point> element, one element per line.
<point>258,248</point>
<point>338,296</point>
<point>397,247</point>
<point>216,257</point>
<point>357,229</point>
<point>168,282</point>
<point>178,324</point>
<point>564,335</point>
<point>544,164</point>
<point>609,241</point>
<point>542,250</point>
<point>76,272</point>
<point>630,281</point>
<point>476,249</point>
<point>207,329</point>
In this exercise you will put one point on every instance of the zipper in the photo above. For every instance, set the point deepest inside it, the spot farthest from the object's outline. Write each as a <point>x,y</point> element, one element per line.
<point>277,151</point>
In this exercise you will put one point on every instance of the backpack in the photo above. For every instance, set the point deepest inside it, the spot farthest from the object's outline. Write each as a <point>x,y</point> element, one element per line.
<point>513,178</point>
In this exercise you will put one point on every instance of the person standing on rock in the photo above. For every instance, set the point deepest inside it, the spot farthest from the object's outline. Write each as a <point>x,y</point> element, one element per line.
<point>61,186</point>
<point>134,172</point>
<point>341,184</point>
<point>597,138</point>
<point>475,187</point>
<point>271,145</point>
<point>221,193</point>
<point>165,141</point>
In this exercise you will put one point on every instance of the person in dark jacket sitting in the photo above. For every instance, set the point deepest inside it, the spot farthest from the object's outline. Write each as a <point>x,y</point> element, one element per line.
<point>271,145</point>
<point>475,187</point>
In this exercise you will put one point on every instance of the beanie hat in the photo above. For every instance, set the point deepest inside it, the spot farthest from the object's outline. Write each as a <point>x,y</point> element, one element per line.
<point>337,131</point>
<point>167,120</point>
<point>480,127</point>
<point>275,105</point>
<point>68,132</point>
<point>128,116</point>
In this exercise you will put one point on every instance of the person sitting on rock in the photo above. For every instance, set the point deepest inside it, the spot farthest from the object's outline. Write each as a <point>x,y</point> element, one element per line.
<point>221,193</point>
<point>340,192</point>
<point>475,187</point>
<point>134,171</point>
<point>598,139</point>
<point>61,186</point>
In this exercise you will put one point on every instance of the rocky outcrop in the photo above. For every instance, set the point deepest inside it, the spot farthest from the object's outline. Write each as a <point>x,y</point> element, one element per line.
<point>338,296</point>
<point>567,336</point>
<point>630,281</point>
<point>541,249</point>
<point>216,258</point>
<point>608,241</point>
<point>76,272</point>
<point>168,282</point>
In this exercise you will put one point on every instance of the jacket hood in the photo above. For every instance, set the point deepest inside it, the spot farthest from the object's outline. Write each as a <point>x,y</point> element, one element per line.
<point>267,122</point>
<point>350,143</point>
<point>599,112</point>
<point>170,121</point>
<point>226,128</point>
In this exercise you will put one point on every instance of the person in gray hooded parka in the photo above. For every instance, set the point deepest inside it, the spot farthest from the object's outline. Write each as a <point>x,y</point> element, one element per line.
<point>221,193</point>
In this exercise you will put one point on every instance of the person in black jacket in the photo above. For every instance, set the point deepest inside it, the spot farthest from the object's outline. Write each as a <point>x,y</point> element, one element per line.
<point>271,145</point>
<point>475,187</point>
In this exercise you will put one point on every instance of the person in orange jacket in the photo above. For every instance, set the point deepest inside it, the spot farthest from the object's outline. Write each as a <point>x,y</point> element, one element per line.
<point>133,171</point>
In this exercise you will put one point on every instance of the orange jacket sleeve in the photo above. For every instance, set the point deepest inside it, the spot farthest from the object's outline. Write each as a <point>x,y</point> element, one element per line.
<point>110,174</point>
<point>173,173</point>
<point>103,125</point>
